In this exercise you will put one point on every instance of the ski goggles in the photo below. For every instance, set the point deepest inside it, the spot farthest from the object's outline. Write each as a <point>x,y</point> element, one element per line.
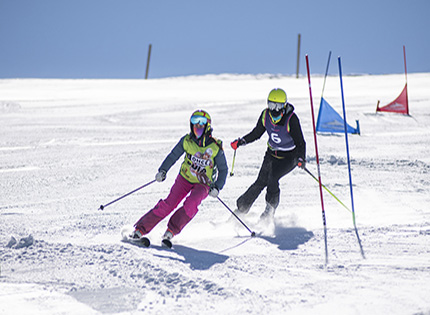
<point>275,105</point>
<point>199,120</point>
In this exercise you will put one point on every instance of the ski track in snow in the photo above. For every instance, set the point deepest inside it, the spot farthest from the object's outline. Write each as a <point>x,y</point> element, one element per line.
<point>71,145</point>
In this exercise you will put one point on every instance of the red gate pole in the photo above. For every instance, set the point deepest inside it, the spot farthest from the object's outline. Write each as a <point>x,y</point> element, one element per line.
<point>318,161</point>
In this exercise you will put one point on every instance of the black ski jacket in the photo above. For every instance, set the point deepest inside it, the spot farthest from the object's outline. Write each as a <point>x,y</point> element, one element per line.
<point>295,133</point>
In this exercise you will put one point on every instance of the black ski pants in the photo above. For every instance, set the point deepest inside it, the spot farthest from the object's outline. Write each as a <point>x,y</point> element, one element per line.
<point>271,171</point>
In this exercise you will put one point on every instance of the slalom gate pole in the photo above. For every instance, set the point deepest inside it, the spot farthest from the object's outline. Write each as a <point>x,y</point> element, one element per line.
<point>235,215</point>
<point>307,171</point>
<point>131,192</point>
<point>232,166</point>
<point>318,161</point>
<point>406,79</point>
<point>404,58</point>
<point>347,154</point>
<point>326,72</point>
<point>322,92</point>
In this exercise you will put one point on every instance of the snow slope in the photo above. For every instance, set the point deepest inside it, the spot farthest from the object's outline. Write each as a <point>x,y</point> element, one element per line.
<point>68,146</point>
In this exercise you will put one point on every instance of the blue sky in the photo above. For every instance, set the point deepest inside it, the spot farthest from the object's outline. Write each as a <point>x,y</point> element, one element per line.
<point>110,39</point>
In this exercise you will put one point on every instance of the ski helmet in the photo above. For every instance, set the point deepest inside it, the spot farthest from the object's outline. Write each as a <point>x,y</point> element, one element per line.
<point>278,96</point>
<point>200,123</point>
<point>276,102</point>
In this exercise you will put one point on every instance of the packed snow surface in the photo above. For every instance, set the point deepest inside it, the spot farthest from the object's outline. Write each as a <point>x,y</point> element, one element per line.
<point>69,146</point>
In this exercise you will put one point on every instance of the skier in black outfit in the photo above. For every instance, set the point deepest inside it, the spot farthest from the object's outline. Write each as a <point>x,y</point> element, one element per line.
<point>286,148</point>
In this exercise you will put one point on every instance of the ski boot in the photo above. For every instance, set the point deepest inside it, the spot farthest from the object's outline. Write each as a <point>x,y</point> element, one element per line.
<point>137,237</point>
<point>168,235</point>
<point>267,218</point>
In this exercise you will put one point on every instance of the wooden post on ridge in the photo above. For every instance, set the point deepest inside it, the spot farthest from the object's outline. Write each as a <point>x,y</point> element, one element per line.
<point>298,55</point>
<point>147,61</point>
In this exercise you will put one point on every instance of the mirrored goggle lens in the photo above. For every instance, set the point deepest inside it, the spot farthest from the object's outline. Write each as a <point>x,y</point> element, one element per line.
<point>199,120</point>
<point>275,106</point>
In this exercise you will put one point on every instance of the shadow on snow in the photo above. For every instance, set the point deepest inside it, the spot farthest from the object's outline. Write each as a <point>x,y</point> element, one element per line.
<point>197,259</point>
<point>286,238</point>
<point>289,238</point>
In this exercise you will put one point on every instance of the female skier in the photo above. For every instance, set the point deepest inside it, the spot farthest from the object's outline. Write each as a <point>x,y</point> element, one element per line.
<point>286,148</point>
<point>203,171</point>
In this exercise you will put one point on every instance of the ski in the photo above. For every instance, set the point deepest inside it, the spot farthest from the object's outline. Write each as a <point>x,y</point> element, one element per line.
<point>127,237</point>
<point>142,242</point>
<point>166,243</point>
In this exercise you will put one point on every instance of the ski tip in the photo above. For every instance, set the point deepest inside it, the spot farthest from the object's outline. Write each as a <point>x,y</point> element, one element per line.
<point>142,242</point>
<point>166,243</point>
<point>145,241</point>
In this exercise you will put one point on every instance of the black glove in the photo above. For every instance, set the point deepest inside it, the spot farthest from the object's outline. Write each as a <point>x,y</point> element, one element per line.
<point>237,143</point>
<point>301,163</point>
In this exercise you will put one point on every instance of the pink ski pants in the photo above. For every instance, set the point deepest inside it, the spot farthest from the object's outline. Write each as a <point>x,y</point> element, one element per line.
<point>180,189</point>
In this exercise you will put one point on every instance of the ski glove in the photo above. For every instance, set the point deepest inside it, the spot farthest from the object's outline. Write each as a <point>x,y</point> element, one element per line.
<point>301,163</point>
<point>160,176</point>
<point>237,143</point>
<point>213,191</point>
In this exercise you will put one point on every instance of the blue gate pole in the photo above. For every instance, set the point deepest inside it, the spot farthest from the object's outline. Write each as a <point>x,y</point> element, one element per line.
<point>347,154</point>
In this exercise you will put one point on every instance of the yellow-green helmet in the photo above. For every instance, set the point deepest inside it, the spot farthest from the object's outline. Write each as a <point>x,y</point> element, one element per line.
<point>276,103</point>
<point>277,96</point>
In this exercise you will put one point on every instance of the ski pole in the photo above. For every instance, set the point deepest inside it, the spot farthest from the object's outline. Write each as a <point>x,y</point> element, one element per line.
<point>307,171</point>
<point>232,165</point>
<point>252,233</point>
<point>131,192</point>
